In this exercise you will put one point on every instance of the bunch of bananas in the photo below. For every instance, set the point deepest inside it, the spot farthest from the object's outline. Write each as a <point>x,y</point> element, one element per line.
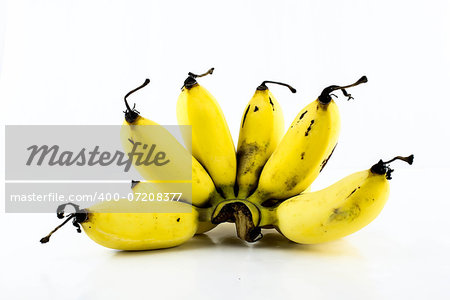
<point>264,184</point>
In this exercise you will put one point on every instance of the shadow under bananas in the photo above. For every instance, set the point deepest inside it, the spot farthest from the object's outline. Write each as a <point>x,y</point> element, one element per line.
<point>226,237</point>
<point>197,242</point>
<point>274,240</point>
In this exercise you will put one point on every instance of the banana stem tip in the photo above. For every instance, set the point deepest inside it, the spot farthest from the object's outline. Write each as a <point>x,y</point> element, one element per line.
<point>79,216</point>
<point>325,96</point>
<point>191,80</point>
<point>382,168</point>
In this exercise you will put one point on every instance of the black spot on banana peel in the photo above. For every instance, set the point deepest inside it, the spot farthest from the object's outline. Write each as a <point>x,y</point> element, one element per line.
<point>302,115</point>
<point>309,128</point>
<point>324,163</point>
<point>351,193</point>
<point>300,118</point>
<point>271,103</point>
<point>246,155</point>
<point>291,183</point>
<point>245,116</point>
<point>256,109</point>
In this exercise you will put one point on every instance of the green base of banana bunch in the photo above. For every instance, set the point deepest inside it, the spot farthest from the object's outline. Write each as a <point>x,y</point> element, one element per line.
<point>263,184</point>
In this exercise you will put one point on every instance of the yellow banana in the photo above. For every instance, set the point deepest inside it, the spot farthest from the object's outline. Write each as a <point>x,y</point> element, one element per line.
<point>201,194</point>
<point>337,211</point>
<point>261,130</point>
<point>212,144</point>
<point>203,189</point>
<point>117,225</point>
<point>304,149</point>
<point>143,136</point>
<point>137,129</point>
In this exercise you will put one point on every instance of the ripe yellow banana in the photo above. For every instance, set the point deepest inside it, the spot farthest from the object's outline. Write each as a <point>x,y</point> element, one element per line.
<point>212,144</point>
<point>141,135</point>
<point>137,129</point>
<point>261,130</point>
<point>203,189</point>
<point>110,225</point>
<point>304,149</point>
<point>201,195</point>
<point>339,210</point>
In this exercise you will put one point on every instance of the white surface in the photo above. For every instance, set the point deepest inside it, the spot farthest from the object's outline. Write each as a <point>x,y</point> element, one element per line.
<point>71,62</point>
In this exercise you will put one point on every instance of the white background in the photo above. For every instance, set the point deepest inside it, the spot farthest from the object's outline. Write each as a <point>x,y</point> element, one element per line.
<point>71,62</point>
